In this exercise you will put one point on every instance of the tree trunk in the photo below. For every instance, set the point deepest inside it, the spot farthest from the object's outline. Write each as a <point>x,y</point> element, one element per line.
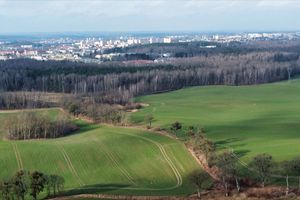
<point>226,190</point>
<point>237,184</point>
<point>199,193</point>
<point>225,186</point>
<point>289,73</point>
<point>299,184</point>
<point>287,185</point>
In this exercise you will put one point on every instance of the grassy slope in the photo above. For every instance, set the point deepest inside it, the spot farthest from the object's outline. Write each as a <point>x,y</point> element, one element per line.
<point>250,119</point>
<point>103,159</point>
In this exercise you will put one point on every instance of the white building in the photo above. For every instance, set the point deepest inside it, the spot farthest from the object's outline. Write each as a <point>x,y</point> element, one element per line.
<point>167,40</point>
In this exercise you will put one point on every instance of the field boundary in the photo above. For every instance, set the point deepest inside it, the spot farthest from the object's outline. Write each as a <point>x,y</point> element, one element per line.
<point>18,156</point>
<point>70,165</point>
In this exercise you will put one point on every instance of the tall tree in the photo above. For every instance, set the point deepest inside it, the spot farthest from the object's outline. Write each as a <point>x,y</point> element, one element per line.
<point>291,167</point>
<point>200,179</point>
<point>38,181</point>
<point>263,164</point>
<point>227,163</point>
<point>20,184</point>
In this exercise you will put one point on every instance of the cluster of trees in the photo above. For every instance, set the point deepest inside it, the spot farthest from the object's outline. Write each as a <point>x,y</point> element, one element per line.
<point>97,112</point>
<point>31,125</point>
<point>117,83</point>
<point>232,172</point>
<point>25,183</point>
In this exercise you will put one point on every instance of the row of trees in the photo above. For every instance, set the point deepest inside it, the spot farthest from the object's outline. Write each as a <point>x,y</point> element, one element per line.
<point>19,100</point>
<point>31,125</point>
<point>25,183</point>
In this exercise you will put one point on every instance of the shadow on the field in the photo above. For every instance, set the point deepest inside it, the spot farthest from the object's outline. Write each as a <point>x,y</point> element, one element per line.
<point>83,127</point>
<point>227,143</point>
<point>241,153</point>
<point>230,144</point>
<point>95,189</point>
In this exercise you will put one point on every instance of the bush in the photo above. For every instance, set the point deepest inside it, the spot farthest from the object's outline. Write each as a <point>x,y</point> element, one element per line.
<point>97,112</point>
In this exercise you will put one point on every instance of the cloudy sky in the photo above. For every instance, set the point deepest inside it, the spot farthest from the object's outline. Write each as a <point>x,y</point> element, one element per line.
<point>148,15</point>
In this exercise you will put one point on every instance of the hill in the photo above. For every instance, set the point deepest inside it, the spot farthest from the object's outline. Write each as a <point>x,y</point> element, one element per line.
<point>114,160</point>
<point>250,119</point>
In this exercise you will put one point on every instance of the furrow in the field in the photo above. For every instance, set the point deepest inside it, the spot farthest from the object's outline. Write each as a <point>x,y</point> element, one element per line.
<point>70,165</point>
<point>18,156</point>
<point>171,164</point>
<point>113,159</point>
<point>165,156</point>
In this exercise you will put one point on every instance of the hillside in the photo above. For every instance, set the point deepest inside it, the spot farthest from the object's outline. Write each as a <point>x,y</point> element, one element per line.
<point>250,119</point>
<point>104,159</point>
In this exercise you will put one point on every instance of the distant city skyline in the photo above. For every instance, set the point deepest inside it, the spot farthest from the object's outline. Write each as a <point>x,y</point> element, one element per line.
<point>58,16</point>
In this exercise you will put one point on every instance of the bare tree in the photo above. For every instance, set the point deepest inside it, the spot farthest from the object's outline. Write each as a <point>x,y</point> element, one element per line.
<point>263,165</point>
<point>200,179</point>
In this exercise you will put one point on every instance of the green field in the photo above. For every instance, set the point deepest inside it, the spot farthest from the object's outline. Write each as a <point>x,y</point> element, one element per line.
<point>249,119</point>
<point>104,159</point>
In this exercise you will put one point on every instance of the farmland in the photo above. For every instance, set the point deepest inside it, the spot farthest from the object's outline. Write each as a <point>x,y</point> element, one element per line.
<point>105,159</point>
<point>250,119</point>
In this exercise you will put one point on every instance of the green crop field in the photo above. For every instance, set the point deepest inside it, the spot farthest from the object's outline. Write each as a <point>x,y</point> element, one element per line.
<point>106,159</point>
<point>249,119</point>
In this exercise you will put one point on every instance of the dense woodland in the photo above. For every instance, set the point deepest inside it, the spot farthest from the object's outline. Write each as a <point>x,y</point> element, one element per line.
<point>118,82</point>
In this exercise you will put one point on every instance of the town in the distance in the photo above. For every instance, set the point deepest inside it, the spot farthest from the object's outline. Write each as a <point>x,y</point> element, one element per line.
<point>97,48</point>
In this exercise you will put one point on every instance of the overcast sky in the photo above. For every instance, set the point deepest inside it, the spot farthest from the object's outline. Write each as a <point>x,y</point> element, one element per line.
<point>148,15</point>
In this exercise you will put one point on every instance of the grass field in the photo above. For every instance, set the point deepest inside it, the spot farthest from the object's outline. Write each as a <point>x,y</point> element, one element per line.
<point>104,159</point>
<point>249,119</point>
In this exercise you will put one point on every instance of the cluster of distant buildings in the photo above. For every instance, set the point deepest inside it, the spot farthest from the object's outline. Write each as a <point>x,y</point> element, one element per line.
<point>88,49</point>
<point>92,49</point>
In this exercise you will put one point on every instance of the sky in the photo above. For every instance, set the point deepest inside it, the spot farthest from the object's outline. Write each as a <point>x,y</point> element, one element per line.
<point>21,16</point>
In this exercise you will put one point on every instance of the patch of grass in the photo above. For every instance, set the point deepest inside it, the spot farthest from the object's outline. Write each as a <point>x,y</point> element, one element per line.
<point>250,119</point>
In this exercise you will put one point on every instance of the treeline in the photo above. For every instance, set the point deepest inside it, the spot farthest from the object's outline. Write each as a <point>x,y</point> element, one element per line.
<point>31,125</point>
<point>118,83</point>
<point>25,183</point>
<point>20,100</point>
